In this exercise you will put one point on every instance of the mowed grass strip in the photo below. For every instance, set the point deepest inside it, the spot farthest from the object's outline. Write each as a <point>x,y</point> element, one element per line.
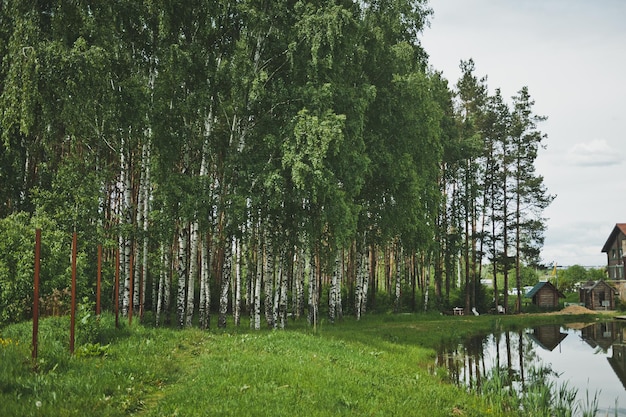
<point>283,373</point>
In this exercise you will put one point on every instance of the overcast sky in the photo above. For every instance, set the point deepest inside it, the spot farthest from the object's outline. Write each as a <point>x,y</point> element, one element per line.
<point>572,56</point>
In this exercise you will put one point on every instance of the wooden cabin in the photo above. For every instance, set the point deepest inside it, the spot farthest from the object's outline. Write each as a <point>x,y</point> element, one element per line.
<point>598,295</point>
<point>615,249</point>
<point>545,295</point>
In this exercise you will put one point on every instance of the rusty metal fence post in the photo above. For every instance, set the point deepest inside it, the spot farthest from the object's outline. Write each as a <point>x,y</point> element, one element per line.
<point>36,294</point>
<point>73,302</point>
<point>98,280</point>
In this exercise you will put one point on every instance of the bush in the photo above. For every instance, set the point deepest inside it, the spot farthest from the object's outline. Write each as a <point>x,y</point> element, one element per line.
<point>17,267</point>
<point>87,324</point>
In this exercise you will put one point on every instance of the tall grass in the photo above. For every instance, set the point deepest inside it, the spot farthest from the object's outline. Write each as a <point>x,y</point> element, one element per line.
<point>378,366</point>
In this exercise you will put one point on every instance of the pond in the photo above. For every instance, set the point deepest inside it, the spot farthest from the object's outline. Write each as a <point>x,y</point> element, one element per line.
<point>589,358</point>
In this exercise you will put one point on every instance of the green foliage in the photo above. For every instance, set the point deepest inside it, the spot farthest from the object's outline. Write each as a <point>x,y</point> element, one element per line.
<point>87,324</point>
<point>312,124</point>
<point>91,349</point>
<point>539,398</point>
<point>529,275</point>
<point>17,266</point>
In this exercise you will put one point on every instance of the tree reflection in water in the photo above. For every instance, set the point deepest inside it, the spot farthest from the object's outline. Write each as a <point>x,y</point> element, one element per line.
<point>547,370</point>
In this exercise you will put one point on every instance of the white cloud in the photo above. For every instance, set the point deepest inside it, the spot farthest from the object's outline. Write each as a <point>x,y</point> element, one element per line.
<point>594,153</point>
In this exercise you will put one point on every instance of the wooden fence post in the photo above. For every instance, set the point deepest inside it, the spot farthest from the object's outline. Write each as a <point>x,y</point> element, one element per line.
<point>98,280</point>
<point>36,294</point>
<point>130,302</point>
<point>117,288</point>
<point>73,303</point>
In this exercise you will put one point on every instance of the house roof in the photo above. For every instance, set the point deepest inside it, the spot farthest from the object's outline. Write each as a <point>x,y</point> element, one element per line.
<point>547,343</point>
<point>591,285</point>
<point>540,285</point>
<point>619,227</point>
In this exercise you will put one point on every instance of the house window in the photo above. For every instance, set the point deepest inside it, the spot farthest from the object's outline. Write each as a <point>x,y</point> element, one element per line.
<point>613,254</point>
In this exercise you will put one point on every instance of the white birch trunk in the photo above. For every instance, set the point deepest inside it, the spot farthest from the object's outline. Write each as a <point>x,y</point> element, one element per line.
<point>282,303</point>
<point>299,282</point>
<point>366,281</point>
<point>161,287</point>
<point>362,282</point>
<point>332,294</point>
<point>125,241</point>
<point>258,277</point>
<point>146,209</point>
<point>167,285</point>
<point>358,291</point>
<point>268,278</point>
<point>193,271</point>
<point>137,267</point>
<point>182,274</point>
<point>201,243</point>
<point>398,287</point>
<point>237,282</point>
<point>136,278</point>
<point>276,304</point>
<point>205,291</point>
<point>338,300</point>
<point>226,276</point>
<point>313,301</point>
<point>250,271</point>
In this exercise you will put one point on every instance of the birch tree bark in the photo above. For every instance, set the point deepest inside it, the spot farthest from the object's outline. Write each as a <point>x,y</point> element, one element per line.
<point>162,287</point>
<point>299,276</point>
<point>181,270</point>
<point>126,216</point>
<point>268,281</point>
<point>205,290</point>
<point>193,271</point>
<point>225,285</point>
<point>147,196</point>
<point>257,277</point>
<point>334,293</point>
<point>363,274</point>
<point>340,282</point>
<point>313,294</point>
<point>358,285</point>
<point>237,282</point>
<point>398,274</point>
<point>282,294</point>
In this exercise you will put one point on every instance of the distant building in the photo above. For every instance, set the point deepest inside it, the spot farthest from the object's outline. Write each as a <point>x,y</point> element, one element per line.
<point>598,295</point>
<point>615,248</point>
<point>545,295</point>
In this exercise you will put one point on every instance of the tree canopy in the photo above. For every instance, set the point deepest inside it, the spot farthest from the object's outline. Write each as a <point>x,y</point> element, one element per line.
<point>302,149</point>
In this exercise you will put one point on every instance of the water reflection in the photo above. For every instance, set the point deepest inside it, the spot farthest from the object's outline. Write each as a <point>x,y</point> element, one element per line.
<point>590,358</point>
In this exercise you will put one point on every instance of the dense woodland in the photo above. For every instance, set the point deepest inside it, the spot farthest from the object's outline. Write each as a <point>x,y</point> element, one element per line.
<point>271,159</point>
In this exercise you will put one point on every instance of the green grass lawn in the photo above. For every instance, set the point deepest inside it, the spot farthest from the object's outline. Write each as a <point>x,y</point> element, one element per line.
<point>380,366</point>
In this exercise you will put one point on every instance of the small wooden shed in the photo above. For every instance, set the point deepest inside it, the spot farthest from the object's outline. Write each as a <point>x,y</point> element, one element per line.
<point>545,295</point>
<point>598,295</point>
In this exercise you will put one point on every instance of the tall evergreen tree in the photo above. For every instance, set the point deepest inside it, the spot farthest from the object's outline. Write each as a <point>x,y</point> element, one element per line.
<point>529,193</point>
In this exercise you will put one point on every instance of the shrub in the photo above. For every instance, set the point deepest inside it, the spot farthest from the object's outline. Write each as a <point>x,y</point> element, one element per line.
<point>17,267</point>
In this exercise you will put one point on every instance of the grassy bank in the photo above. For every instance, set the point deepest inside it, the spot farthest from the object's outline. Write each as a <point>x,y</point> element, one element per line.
<point>378,366</point>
